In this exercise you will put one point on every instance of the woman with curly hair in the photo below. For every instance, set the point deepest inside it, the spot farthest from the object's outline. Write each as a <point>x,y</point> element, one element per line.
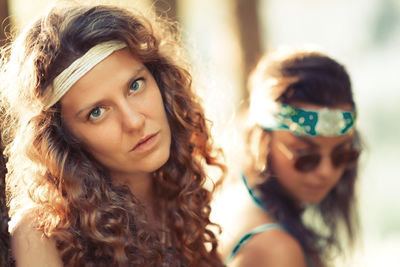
<point>302,151</point>
<point>107,144</point>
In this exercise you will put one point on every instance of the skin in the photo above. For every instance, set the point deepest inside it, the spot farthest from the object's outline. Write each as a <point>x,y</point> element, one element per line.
<point>117,113</point>
<point>273,247</point>
<point>285,251</point>
<point>30,247</point>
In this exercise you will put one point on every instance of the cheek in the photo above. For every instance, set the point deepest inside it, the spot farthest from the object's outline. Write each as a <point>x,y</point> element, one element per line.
<point>288,177</point>
<point>336,177</point>
<point>281,166</point>
<point>158,109</point>
<point>160,115</point>
<point>284,170</point>
<point>98,139</point>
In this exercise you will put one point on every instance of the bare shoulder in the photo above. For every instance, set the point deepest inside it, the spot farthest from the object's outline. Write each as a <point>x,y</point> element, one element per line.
<point>29,246</point>
<point>270,248</point>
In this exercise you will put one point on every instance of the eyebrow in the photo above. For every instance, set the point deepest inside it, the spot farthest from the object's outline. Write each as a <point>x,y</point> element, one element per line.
<point>134,76</point>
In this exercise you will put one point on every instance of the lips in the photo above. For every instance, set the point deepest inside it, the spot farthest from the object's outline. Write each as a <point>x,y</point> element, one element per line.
<point>146,140</point>
<point>317,187</point>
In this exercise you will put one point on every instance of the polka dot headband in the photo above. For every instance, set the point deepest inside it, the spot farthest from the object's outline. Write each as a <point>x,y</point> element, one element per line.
<point>322,122</point>
<point>312,122</point>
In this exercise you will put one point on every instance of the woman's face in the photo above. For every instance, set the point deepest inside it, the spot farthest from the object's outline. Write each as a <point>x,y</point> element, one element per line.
<point>311,186</point>
<point>116,111</point>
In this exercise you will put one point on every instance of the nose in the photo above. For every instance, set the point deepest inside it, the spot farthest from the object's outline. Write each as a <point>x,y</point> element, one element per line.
<point>325,168</point>
<point>131,119</point>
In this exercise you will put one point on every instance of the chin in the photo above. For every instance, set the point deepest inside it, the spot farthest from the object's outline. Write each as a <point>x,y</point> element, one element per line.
<point>311,202</point>
<point>314,199</point>
<point>159,160</point>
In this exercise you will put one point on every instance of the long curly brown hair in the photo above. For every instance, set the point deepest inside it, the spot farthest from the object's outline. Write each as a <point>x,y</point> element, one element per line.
<point>95,222</point>
<point>302,76</point>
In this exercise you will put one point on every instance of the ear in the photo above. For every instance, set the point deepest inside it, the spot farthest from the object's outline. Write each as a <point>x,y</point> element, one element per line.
<point>258,146</point>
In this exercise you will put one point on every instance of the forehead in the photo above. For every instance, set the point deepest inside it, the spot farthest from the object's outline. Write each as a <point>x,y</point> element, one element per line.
<point>302,105</point>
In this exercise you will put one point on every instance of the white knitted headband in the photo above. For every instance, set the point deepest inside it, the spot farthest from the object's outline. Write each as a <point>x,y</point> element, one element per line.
<point>68,77</point>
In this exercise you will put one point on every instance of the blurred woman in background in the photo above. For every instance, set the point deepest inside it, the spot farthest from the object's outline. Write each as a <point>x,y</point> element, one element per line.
<point>301,154</point>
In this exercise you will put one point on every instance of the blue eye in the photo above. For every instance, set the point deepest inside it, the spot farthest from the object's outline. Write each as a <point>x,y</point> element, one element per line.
<point>137,85</point>
<point>96,113</point>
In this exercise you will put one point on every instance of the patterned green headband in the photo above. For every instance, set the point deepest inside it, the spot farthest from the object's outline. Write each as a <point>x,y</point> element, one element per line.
<point>321,122</point>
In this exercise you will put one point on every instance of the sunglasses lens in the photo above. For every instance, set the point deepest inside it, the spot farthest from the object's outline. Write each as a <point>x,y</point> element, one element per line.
<point>345,158</point>
<point>307,163</point>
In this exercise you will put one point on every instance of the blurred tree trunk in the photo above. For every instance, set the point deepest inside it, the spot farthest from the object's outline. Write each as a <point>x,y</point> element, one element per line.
<point>4,237</point>
<point>249,36</point>
<point>3,16</point>
<point>166,8</point>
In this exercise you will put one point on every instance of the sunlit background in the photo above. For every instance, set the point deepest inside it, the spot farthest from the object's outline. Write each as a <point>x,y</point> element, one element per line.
<point>224,39</point>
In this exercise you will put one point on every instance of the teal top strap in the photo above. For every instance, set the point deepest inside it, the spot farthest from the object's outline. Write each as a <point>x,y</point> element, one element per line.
<point>246,237</point>
<point>252,194</point>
